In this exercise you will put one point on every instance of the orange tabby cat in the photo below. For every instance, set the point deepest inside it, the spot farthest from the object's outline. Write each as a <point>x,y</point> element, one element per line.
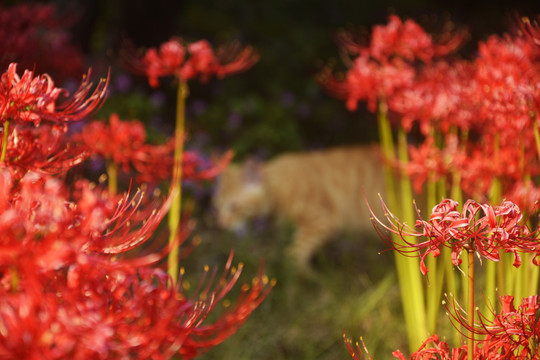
<point>321,192</point>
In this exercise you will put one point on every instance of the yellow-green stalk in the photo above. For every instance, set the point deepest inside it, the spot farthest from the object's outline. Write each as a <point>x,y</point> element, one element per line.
<point>5,141</point>
<point>112,176</point>
<point>175,210</point>
<point>470,303</point>
<point>412,293</point>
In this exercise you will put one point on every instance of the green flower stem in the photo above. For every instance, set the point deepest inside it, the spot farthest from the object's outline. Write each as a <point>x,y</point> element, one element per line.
<point>533,278</point>
<point>112,176</point>
<point>435,281</point>
<point>5,141</point>
<point>470,304</point>
<point>412,294</point>
<point>451,283</point>
<point>174,212</point>
<point>414,279</point>
<point>536,137</point>
<point>456,193</point>
<point>494,270</point>
<point>522,278</point>
<point>533,285</point>
<point>510,274</point>
<point>435,190</point>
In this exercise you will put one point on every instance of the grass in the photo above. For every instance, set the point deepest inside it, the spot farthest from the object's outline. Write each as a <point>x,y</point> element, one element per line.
<point>355,290</point>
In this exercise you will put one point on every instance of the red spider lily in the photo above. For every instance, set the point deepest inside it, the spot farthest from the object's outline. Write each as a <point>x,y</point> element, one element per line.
<point>479,227</point>
<point>34,99</point>
<point>385,66</point>
<point>43,225</point>
<point>369,80</point>
<point>66,294</point>
<point>407,40</point>
<point>505,84</point>
<point>525,194</point>
<point>156,164</point>
<point>187,61</point>
<point>505,163</point>
<point>512,333</point>
<point>117,140</point>
<point>124,143</point>
<point>109,311</point>
<point>433,348</point>
<point>32,35</point>
<point>45,149</point>
<point>436,99</point>
<point>429,162</point>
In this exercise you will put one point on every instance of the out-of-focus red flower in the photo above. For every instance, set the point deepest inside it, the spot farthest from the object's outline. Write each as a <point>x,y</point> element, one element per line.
<point>33,36</point>
<point>368,80</point>
<point>44,224</point>
<point>426,162</point>
<point>510,334</point>
<point>187,61</point>
<point>45,149</point>
<point>115,140</point>
<point>69,291</point>
<point>109,311</point>
<point>410,41</point>
<point>433,348</point>
<point>386,64</point>
<point>525,194</point>
<point>505,85</point>
<point>36,99</point>
<point>124,143</point>
<point>405,39</point>
<point>436,99</point>
<point>481,228</point>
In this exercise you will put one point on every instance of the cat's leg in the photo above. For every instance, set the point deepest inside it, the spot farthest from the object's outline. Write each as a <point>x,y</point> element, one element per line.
<point>307,239</point>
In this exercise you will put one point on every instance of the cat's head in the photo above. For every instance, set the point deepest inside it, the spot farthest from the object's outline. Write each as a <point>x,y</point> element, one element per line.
<point>240,196</point>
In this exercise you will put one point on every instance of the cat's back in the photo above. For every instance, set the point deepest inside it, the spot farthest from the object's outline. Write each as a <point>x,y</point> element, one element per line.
<point>331,181</point>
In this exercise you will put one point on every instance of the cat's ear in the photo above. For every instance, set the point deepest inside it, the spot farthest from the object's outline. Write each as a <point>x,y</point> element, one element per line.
<point>252,171</point>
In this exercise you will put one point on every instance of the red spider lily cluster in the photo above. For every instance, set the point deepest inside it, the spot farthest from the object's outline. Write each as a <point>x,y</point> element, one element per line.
<point>35,98</point>
<point>480,228</point>
<point>432,348</point>
<point>46,149</point>
<point>191,60</point>
<point>471,113</point>
<point>75,280</point>
<point>510,334</point>
<point>387,65</point>
<point>34,114</point>
<point>123,142</point>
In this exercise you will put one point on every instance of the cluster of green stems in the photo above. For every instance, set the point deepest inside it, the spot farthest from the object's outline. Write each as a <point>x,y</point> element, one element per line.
<point>421,300</point>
